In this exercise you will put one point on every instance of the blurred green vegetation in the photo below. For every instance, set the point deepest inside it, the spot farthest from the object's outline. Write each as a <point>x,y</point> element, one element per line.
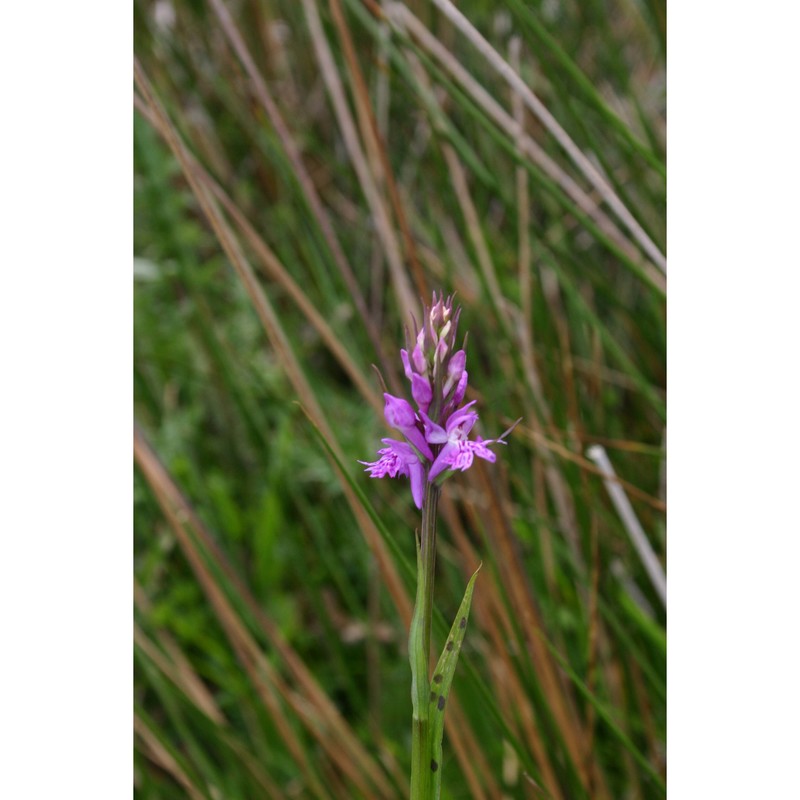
<point>271,585</point>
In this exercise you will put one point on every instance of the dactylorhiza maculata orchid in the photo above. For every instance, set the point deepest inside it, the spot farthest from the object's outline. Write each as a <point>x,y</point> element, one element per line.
<point>436,433</point>
<point>436,445</point>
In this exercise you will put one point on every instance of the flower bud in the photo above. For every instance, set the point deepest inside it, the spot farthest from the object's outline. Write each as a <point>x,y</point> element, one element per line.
<point>455,369</point>
<point>419,361</point>
<point>421,391</point>
<point>398,412</point>
<point>406,363</point>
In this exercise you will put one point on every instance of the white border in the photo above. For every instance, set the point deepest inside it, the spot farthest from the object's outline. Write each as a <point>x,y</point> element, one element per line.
<point>65,403</point>
<point>734,336</point>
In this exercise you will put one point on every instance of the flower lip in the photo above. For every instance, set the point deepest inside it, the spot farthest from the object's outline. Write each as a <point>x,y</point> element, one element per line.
<point>399,458</point>
<point>459,455</point>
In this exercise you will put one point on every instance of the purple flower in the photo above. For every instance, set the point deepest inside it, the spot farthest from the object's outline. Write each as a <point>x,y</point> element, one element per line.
<point>458,451</point>
<point>399,458</point>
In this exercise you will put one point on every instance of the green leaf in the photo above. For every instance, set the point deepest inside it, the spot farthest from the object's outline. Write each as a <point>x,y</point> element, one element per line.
<point>443,679</point>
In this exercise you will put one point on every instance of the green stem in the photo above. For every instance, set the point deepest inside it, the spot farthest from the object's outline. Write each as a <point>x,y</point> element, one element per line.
<point>429,506</point>
<point>419,646</point>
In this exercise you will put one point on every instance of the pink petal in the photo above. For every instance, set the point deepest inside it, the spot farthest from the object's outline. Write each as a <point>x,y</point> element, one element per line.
<point>461,389</point>
<point>398,412</point>
<point>443,460</point>
<point>434,433</point>
<point>463,418</point>
<point>417,478</point>
<point>421,391</point>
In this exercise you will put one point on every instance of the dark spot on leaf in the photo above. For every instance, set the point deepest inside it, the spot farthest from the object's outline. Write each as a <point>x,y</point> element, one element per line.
<point>433,696</point>
<point>437,678</point>
<point>440,704</point>
<point>463,623</point>
<point>450,645</point>
<point>434,766</point>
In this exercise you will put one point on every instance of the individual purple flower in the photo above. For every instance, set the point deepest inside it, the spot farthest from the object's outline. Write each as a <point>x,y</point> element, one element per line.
<point>458,451</point>
<point>399,458</point>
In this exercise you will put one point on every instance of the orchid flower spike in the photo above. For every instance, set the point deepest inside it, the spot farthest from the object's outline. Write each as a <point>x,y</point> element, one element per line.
<point>436,434</point>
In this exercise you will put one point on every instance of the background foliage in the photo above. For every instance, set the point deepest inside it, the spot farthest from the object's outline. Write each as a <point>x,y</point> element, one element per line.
<point>305,172</point>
